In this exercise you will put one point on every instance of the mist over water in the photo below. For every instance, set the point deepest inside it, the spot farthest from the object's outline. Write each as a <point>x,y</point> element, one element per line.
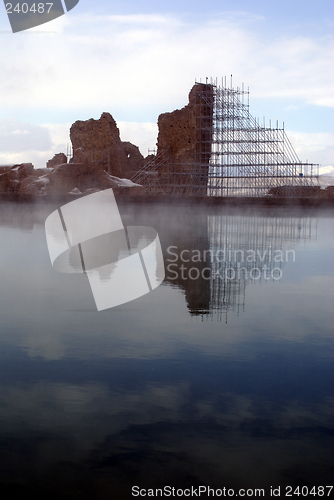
<point>221,376</point>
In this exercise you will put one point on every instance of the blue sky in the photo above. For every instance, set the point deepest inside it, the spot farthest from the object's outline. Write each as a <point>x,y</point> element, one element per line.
<point>139,59</point>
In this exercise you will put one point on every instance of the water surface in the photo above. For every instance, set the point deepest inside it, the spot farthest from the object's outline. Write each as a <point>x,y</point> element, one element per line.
<point>211,379</point>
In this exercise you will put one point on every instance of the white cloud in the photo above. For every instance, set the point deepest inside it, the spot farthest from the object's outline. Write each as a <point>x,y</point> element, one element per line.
<point>143,135</point>
<point>314,147</point>
<point>297,67</point>
<point>21,136</point>
<point>37,158</point>
<point>146,61</point>
<point>60,135</point>
<point>328,170</point>
<point>139,66</point>
<point>25,142</point>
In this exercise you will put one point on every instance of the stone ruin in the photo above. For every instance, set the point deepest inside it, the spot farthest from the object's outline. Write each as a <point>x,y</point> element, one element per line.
<point>100,141</point>
<point>101,159</point>
<point>186,148</point>
<point>184,140</point>
<point>185,137</point>
<point>184,134</point>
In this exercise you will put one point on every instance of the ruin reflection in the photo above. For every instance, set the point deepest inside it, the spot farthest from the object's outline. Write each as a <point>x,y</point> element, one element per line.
<point>214,262</point>
<point>211,254</point>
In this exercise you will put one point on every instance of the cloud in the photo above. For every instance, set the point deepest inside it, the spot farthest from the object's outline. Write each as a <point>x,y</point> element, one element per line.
<point>328,170</point>
<point>138,66</point>
<point>314,147</point>
<point>72,425</point>
<point>21,136</point>
<point>141,63</point>
<point>294,67</point>
<point>26,142</point>
<point>143,135</point>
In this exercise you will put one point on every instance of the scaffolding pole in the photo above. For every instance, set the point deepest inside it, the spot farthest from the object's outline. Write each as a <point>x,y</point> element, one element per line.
<point>233,155</point>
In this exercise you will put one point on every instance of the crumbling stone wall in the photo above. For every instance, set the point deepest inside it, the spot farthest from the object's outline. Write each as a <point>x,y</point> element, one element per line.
<point>176,138</point>
<point>184,139</point>
<point>122,159</point>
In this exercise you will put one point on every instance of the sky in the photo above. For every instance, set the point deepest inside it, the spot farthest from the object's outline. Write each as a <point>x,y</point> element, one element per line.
<point>140,58</point>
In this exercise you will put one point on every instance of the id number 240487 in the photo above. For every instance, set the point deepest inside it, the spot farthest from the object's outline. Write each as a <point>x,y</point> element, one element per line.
<point>304,491</point>
<point>36,8</point>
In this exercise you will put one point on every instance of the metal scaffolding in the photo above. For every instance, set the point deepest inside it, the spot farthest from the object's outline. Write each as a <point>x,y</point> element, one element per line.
<point>233,155</point>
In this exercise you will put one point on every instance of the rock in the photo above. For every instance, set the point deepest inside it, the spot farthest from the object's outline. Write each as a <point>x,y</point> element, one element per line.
<point>79,156</point>
<point>24,170</point>
<point>83,176</point>
<point>11,179</point>
<point>74,178</point>
<point>5,181</point>
<point>66,177</point>
<point>33,185</point>
<point>126,186</point>
<point>148,159</point>
<point>9,182</point>
<point>75,191</point>
<point>99,140</point>
<point>58,159</point>
<point>5,168</point>
<point>134,159</point>
<point>20,166</point>
<point>90,191</point>
<point>38,172</point>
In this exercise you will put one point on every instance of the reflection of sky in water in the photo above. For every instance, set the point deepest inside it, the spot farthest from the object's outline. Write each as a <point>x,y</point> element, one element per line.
<point>147,394</point>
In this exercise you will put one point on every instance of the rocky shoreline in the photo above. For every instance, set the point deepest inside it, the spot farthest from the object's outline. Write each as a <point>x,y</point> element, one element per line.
<point>124,196</point>
<point>100,161</point>
<point>65,178</point>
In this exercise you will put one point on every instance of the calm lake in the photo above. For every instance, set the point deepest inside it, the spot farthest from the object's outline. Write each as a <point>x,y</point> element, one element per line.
<point>221,377</point>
